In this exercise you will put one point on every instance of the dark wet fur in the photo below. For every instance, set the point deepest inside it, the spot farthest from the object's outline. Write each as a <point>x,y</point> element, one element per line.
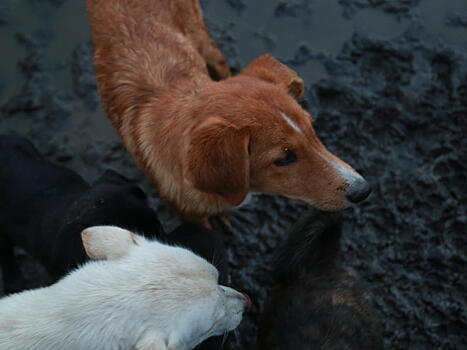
<point>44,208</point>
<point>317,304</point>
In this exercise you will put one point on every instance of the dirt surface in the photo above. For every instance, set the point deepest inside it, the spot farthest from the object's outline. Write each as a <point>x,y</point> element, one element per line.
<point>387,85</point>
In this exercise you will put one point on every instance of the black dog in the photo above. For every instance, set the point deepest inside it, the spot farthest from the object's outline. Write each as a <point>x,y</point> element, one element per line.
<point>44,208</point>
<point>317,304</point>
<point>1,283</point>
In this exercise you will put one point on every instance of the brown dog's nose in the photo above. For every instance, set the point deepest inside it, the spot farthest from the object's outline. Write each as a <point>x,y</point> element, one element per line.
<point>358,191</point>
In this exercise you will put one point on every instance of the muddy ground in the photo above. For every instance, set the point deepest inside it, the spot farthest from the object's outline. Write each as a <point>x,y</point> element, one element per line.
<point>387,85</point>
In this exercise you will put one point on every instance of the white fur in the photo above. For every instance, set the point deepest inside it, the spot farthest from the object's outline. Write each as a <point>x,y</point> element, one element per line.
<point>145,296</point>
<point>291,122</point>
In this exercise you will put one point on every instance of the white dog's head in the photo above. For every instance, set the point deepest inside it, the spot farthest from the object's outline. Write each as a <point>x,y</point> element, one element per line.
<point>176,290</point>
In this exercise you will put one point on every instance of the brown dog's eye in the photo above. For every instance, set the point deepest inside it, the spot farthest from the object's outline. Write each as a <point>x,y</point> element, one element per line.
<point>290,157</point>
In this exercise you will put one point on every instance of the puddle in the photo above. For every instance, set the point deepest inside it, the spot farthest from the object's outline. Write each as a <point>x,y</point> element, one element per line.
<point>434,14</point>
<point>21,20</point>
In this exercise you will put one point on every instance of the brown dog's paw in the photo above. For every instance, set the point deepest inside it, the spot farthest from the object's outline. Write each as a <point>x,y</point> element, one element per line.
<point>217,66</point>
<point>224,218</point>
<point>207,222</point>
<point>198,220</point>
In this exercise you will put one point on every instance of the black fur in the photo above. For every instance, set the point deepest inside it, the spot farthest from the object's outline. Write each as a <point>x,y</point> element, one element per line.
<point>44,208</point>
<point>317,304</point>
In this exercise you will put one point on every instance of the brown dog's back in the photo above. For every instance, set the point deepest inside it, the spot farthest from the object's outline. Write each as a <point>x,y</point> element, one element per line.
<point>138,50</point>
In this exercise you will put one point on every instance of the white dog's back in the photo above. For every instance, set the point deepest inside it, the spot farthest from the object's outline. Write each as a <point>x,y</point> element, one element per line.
<point>145,295</point>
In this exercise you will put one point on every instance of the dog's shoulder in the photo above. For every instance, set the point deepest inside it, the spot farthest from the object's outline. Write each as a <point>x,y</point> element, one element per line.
<point>14,145</point>
<point>24,167</point>
<point>31,186</point>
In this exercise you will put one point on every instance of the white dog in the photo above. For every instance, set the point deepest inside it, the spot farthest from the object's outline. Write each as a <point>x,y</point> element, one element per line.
<point>145,295</point>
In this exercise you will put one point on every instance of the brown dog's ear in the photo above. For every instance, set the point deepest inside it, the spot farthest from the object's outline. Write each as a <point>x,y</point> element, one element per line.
<point>218,160</point>
<point>271,70</point>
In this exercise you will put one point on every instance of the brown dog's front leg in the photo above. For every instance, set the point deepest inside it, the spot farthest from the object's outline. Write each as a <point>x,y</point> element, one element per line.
<point>224,218</point>
<point>205,221</point>
<point>196,219</point>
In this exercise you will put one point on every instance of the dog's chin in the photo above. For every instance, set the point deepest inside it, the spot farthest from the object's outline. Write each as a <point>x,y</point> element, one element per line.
<point>235,322</point>
<point>324,205</point>
<point>230,325</point>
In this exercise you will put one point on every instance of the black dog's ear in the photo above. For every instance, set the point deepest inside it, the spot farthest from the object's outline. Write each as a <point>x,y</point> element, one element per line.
<point>138,192</point>
<point>312,242</point>
<point>112,177</point>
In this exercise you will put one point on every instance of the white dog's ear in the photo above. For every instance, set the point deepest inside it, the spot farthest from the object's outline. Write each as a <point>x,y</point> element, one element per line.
<point>108,242</point>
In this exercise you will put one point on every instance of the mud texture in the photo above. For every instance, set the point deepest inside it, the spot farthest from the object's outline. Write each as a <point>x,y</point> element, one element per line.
<point>387,85</point>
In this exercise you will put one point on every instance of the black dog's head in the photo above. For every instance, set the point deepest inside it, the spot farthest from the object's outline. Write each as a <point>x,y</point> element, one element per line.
<point>124,204</point>
<point>312,243</point>
<point>111,200</point>
<point>115,200</point>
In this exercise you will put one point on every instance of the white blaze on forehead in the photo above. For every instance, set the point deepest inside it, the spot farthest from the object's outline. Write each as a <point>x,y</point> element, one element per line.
<point>290,122</point>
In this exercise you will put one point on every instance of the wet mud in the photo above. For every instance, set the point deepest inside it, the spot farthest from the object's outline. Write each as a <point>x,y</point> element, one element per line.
<point>386,82</point>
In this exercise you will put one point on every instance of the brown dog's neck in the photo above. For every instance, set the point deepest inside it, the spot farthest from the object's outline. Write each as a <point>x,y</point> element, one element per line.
<point>159,136</point>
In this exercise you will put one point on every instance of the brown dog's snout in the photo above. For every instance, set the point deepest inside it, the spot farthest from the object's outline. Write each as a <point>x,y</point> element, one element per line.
<point>358,190</point>
<point>350,186</point>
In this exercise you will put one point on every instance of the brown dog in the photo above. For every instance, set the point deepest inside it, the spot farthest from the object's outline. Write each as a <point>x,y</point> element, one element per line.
<point>205,144</point>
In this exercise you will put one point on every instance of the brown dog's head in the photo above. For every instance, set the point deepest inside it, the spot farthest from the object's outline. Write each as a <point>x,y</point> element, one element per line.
<point>255,136</point>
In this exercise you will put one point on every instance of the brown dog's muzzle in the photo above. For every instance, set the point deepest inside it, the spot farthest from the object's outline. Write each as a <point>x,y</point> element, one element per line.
<point>340,184</point>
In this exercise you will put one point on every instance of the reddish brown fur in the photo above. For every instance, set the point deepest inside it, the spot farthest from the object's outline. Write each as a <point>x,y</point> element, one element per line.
<point>204,144</point>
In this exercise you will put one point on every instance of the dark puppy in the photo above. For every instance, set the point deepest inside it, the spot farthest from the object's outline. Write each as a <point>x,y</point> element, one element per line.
<point>316,303</point>
<point>44,208</point>
<point>1,282</point>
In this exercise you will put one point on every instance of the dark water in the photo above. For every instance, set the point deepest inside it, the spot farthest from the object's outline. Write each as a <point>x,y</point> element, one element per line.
<point>387,84</point>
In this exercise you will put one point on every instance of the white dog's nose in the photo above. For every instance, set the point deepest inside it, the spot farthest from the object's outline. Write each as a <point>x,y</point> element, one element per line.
<point>239,296</point>
<point>247,301</point>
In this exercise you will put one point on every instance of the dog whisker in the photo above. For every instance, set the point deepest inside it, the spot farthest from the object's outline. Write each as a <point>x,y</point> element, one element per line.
<point>224,338</point>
